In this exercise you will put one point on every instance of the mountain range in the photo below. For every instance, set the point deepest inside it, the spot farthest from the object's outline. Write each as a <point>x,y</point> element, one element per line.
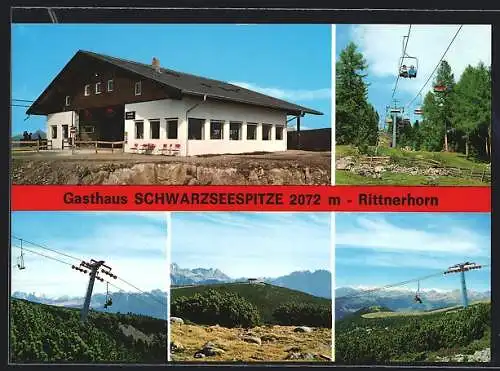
<point>318,283</point>
<point>34,136</point>
<point>349,300</point>
<point>152,304</point>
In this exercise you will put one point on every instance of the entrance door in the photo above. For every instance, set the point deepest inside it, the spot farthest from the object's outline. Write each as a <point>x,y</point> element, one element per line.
<point>65,135</point>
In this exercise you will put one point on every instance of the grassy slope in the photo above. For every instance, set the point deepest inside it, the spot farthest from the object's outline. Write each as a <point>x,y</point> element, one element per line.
<point>383,314</point>
<point>49,333</point>
<point>350,327</point>
<point>265,297</point>
<point>276,341</point>
<point>446,159</point>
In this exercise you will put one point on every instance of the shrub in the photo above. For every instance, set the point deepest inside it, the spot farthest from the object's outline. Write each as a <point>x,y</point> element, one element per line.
<point>303,314</point>
<point>216,307</point>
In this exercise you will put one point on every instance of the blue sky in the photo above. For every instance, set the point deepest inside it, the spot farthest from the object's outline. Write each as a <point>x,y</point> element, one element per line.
<point>291,62</point>
<point>382,48</point>
<point>376,249</point>
<point>133,244</point>
<point>251,244</point>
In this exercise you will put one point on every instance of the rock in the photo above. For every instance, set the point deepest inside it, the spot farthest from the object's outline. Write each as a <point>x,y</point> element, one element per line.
<point>344,163</point>
<point>269,337</point>
<point>208,344</point>
<point>176,347</point>
<point>252,339</point>
<point>92,170</point>
<point>176,320</point>
<point>209,349</point>
<point>303,329</point>
<point>298,355</point>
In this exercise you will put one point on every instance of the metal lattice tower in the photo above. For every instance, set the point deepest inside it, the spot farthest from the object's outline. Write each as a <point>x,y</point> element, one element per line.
<point>93,268</point>
<point>462,268</point>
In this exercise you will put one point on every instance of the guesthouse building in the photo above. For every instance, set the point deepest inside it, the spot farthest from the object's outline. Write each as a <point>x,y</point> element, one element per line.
<point>149,109</point>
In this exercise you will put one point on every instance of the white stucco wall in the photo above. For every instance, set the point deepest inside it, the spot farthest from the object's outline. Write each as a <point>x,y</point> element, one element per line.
<point>208,110</point>
<point>162,110</point>
<point>58,119</point>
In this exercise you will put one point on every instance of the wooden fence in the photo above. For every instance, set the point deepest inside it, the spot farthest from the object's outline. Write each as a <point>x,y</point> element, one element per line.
<point>31,145</point>
<point>100,145</point>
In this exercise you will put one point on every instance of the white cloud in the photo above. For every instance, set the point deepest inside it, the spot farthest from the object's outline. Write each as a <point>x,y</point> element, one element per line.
<point>251,244</point>
<point>378,233</point>
<point>286,94</point>
<point>136,252</point>
<point>382,47</point>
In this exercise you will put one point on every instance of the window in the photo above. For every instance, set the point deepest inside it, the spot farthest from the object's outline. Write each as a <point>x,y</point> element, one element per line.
<point>67,101</point>
<point>266,131</point>
<point>138,88</point>
<point>65,130</point>
<point>195,129</point>
<point>111,85</point>
<point>251,131</point>
<point>154,126</point>
<point>87,90</point>
<point>235,131</point>
<point>98,88</point>
<point>87,129</point>
<point>139,130</point>
<point>172,128</point>
<point>53,131</point>
<point>279,132</point>
<point>216,129</point>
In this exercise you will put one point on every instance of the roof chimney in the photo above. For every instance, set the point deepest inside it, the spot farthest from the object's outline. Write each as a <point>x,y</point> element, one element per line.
<point>156,64</point>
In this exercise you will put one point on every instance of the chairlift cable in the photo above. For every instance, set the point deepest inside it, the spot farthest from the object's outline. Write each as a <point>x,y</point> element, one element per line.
<point>43,255</point>
<point>418,279</point>
<point>437,66</point>
<point>72,257</point>
<point>401,63</point>
<point>143,292</point>
<point>47,248</point>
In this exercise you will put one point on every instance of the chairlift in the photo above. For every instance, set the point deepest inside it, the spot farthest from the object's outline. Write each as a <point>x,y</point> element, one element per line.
<point>408,67</point>
<point>440,88</point>
<point>109,299</point>
<point>417,294</point>
<point>418,109</point>
<point>20,259</point>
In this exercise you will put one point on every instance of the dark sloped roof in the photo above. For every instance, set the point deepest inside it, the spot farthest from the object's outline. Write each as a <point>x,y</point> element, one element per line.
<point>189,84</point>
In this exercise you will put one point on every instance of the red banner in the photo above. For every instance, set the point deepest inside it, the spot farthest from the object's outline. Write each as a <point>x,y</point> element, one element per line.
<point>252,198</point>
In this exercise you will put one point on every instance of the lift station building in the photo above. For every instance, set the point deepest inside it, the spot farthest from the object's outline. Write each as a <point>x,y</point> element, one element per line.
<point>101,98</point>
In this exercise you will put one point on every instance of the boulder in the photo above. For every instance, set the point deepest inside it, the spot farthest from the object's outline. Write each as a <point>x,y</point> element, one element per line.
<point>251,339</point>
<point>176,320</point>
<point>176,347</point>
